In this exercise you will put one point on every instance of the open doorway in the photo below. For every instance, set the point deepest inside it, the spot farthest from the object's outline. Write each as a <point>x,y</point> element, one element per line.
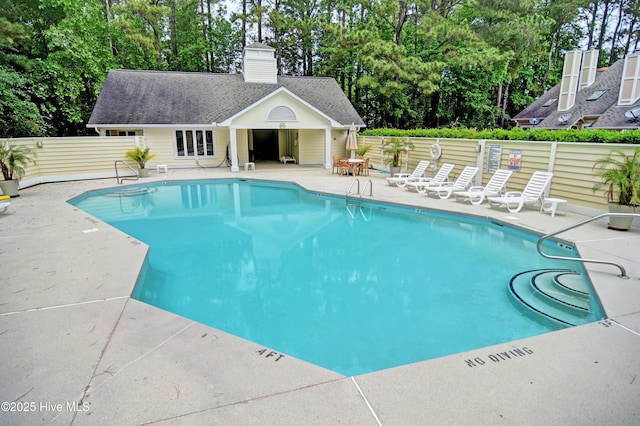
<point>265,145</point>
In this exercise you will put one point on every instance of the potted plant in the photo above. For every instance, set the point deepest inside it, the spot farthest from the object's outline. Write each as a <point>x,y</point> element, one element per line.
<point>13,160</point>
<point>620,174</point>
<point>362,150</point>
<point>140,156</point>
<point>394,148</point>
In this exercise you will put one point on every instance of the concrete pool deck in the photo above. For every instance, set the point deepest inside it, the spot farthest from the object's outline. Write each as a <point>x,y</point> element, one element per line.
<point>76,349</point>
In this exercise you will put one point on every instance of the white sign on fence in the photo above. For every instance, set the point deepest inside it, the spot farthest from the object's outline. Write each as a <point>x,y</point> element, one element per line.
<point>493,158</point>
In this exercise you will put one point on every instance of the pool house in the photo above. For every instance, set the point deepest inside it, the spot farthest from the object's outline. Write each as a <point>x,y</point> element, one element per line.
<point>202,119</point>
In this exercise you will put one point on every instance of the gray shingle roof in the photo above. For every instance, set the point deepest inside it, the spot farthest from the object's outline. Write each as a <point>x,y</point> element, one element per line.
<point>605,109</point>
<point>537,110</point>
<point>180,98</point>
<point>609,80</point>
<point>614,118</point>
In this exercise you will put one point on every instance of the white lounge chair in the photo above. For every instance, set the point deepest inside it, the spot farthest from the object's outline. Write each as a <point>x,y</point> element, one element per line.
<point>4,206</point>
<point>445,189</point>
<point>495,187</point>
<point>532,194</point>
<point>422,184</point>
<point>288,159</point>
<point>401,179</point>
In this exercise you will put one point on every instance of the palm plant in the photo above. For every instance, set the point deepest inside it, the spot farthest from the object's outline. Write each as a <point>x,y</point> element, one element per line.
<point>395,147</point>
<point>140,156</point>
<point>620,173</point>
<point>363,149</point>
<point>13,160</point>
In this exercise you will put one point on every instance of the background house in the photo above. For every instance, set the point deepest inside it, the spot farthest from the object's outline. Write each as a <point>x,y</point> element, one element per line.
<point>200,119</point>
<point>587,97</point>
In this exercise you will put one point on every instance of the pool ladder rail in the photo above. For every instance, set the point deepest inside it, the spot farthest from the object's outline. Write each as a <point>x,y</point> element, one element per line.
<point>354,198</point>
<point>119,179</point>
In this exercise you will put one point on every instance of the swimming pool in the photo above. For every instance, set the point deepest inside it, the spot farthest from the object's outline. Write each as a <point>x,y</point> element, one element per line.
<point>296,272</point>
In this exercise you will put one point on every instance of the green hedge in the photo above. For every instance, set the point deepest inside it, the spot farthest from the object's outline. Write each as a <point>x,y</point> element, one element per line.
<point>594,136</point>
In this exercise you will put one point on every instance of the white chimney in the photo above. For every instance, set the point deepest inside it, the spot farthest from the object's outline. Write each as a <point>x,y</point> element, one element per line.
<point>629,84</point>
<point>589,68</point>
<point>259,64</point>
<point>569,82</point>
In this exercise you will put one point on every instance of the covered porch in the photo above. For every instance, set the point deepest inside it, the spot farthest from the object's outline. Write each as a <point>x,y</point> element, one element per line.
<point>283,145</point>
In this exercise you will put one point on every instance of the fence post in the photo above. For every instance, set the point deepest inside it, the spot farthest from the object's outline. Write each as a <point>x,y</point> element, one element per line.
<point>480,160</point>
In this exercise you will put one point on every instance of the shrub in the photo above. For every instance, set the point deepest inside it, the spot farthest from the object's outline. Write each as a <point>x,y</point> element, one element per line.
<point>570,135</point>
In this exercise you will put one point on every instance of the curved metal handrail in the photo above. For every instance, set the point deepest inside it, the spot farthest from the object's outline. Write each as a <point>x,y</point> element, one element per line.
<point>350,192</point>
<point>118,178</point>
<point>623,272</point>
<point>368,184</point>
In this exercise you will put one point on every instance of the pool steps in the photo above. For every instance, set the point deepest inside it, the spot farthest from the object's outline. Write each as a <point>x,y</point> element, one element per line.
<point>560,295</point>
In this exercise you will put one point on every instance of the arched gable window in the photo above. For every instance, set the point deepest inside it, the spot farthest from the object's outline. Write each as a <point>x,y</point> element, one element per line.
<point>281,113</point>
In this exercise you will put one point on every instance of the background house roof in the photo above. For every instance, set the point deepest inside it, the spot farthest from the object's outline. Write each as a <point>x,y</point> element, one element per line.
<point>609,80</point>
<point>537,110</point>
<point>605,110</point>
<point>614,118</point>
<point>155,97</point>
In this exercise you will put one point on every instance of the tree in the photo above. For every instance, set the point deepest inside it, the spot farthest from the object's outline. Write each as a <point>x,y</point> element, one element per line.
<point>515,29</point>
<point>298,24</point>
<point>62,57</point>
<point>144,23</point>
<point>472,69</point>
<point>226,43</point>
<point>189,48</point>
<point>402,63</point>
<point>632,13</point>
<point>75,58</point>
<point>19,116</point>
<point>562,33</point>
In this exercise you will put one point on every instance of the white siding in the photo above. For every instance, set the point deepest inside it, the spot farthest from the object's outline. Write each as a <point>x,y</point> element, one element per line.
<point>259,71</point>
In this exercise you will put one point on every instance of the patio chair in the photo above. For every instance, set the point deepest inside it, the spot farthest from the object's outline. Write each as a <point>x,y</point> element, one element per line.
<point>421,184</point>
<point>334,169</point>
<point>495,187</point>
<point>363,168</point>
<point>532,193</point>
<point>445,189</point>
<point>401,179</point>
<point>344,167</point>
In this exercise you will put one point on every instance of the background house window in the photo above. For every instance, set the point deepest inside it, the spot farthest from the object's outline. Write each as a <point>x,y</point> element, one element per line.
<point>114,132</point>
<point>195,143</point>
<point>597,94</point>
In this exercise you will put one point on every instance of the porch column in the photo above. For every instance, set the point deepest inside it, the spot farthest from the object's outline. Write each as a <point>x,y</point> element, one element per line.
<point>327,148</point>
<point>233,149</point>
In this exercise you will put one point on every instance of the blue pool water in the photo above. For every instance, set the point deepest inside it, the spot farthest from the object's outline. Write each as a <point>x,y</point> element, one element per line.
<point>297,273</point>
